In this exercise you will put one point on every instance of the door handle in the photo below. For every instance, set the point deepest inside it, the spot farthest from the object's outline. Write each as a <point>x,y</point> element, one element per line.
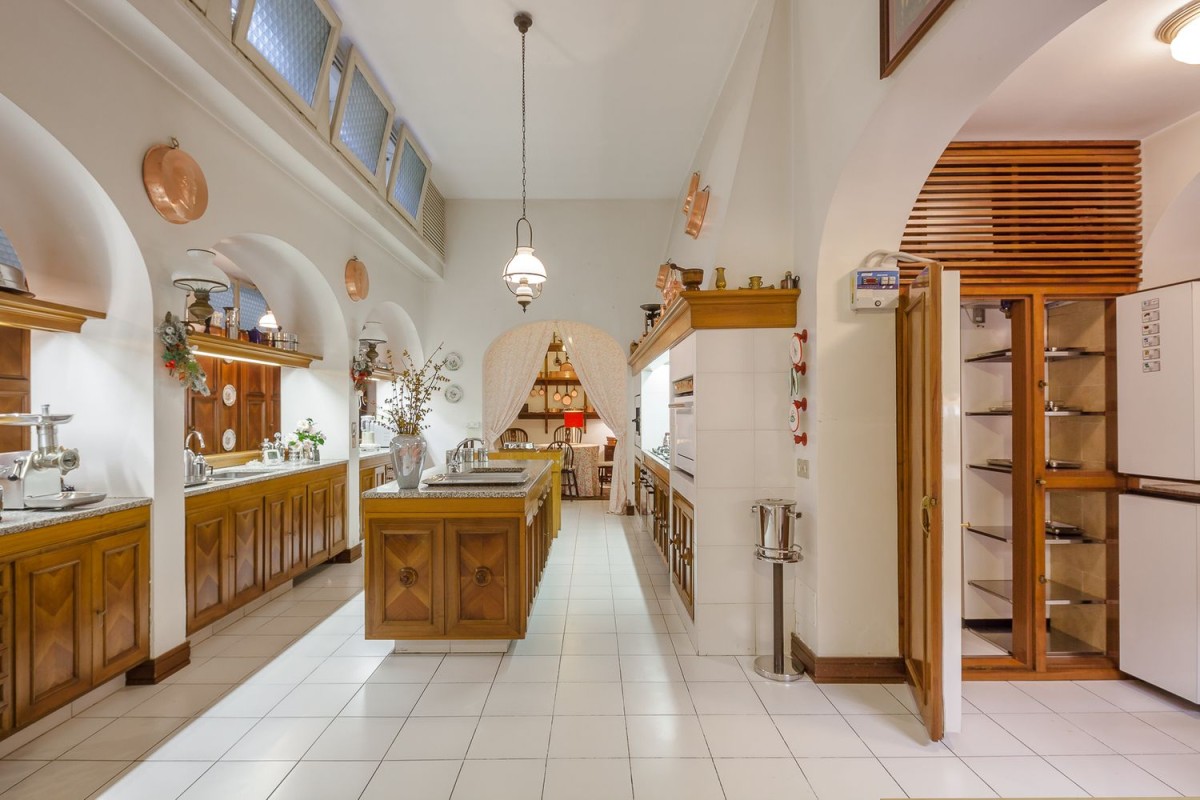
<point>927,504</point>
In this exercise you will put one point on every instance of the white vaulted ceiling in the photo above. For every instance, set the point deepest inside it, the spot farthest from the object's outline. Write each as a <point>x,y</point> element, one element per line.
<point>619,91</point>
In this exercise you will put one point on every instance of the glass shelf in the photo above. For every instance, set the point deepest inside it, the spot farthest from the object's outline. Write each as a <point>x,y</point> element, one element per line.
<point>1057,642</point>
<point>1056,413</point>
<point>1004,533</point>
<point>1005,356</point>
<point>1057,594</point>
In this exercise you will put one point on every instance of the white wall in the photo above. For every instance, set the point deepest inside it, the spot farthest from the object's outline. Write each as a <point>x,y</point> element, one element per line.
<point>1170,203</point>
<point>601,257</point>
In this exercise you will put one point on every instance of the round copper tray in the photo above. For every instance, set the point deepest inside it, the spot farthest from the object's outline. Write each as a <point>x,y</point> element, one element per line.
<point>174,183</point>
<point>358,284</point>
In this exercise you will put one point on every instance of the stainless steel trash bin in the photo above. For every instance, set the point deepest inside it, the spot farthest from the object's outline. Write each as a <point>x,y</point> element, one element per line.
<point>775,544</point>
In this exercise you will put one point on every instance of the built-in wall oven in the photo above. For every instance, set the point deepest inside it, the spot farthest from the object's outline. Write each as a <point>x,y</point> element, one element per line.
<point>683,425</point>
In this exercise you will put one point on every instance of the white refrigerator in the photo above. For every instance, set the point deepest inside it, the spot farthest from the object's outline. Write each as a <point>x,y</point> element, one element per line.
<point>1158,440</point>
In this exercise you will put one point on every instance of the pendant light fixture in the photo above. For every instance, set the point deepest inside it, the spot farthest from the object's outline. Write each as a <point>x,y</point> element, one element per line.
<point>524,273</point>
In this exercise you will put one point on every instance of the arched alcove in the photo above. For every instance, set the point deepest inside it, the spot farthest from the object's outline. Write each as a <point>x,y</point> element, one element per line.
<point>399,327</point>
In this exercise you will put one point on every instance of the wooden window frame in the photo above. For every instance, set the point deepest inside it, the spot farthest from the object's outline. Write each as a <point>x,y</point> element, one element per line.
<point>406,136</point>
<point>314,113</point>
<point>357,62</point>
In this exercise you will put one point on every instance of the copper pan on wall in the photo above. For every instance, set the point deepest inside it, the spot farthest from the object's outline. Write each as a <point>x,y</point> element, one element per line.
<point>174,183</point>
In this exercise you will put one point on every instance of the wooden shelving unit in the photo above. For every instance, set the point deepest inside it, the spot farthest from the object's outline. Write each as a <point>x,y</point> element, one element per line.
<point>18,311</point>
<point>218,346</point>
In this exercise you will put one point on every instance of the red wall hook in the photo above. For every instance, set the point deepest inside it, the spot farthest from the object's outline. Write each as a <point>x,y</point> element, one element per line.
<point>801,404</point>
<point>802,439</point>
<point>803,335</point>
<point>802,367</point>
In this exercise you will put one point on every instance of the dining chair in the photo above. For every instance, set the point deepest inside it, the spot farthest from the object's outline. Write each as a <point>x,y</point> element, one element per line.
<point>604,476</point>
<point>569,435</point>
<point>514,435</point>
<point>570,482</point>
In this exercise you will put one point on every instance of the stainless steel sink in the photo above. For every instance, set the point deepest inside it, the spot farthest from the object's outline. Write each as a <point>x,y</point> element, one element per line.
<point>482,476</point>
<point>235,474</point>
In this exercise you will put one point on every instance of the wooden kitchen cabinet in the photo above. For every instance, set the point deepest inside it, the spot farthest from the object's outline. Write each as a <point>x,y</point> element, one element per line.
<point>80,610</point>
<point>247,540</point>
<point>682,553</point>
<point>412,564</point>
<point>482,578</point>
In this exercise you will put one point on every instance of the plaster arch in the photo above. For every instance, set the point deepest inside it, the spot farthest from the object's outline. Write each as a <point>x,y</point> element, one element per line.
<point>860,178</point>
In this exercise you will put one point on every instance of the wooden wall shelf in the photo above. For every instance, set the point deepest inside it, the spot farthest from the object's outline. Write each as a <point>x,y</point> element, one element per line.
<point>220,347</point>
<point>17,311</point>
<point>558,415</point>
<point>715,309</point>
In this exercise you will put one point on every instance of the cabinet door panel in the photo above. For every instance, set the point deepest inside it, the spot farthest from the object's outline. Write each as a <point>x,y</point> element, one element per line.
<point>245,551</point>
<point>254,401</point>
<point>482,577</point>
<point>337,514</point>
<point>206,540</point>
<point>277,549</point>
<point>406,558</point>
<point>53,630</point>
<point>318,522</point>
<point>121,585</point>
<point>297,498</point>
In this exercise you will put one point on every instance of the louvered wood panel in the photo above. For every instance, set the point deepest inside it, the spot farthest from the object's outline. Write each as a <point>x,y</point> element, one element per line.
<point>1033,213</point>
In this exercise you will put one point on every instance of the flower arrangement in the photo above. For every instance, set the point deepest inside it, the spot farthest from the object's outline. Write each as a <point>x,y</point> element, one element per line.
<point>412,389</point>
<point>307,431</point>
<point>361,370</point>
<point>177,356</point>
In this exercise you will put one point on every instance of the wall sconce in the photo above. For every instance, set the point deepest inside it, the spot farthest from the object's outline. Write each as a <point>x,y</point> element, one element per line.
<point>372,335</point>
<point>201,278</point>
<point>696,218</point>
<point>1181,31</point>
<point>693,185</point>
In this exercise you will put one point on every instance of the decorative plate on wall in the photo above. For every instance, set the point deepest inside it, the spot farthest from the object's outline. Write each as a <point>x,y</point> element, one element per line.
<point>358,282</point>
<point>453,393</point>
<point>229,439</point>
<point>454,361</point>
<point>229,394</point>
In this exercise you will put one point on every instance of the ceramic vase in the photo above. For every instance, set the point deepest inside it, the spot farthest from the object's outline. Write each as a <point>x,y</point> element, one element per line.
<point>408,458</point>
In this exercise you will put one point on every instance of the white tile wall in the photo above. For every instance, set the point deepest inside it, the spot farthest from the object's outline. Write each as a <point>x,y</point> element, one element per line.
<point>725,351</point>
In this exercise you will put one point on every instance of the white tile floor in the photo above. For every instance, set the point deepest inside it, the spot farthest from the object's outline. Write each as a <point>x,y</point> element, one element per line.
<point>605,699</point>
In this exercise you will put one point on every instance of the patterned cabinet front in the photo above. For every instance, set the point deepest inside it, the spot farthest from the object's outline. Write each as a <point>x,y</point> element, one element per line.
<point>206,542</point>
<point>337,514</point>
<point>53,638</point>
<point>277,546</point>
<point>483,578</point>
<point>245,551</point>
<point>297,530</point>
<point>121,602</point>
<point>406,557</point>
<point>683,542</point>
<point>318,522</point>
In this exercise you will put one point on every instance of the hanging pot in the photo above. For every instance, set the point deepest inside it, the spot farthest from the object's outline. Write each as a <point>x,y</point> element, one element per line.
<point>174,183</point>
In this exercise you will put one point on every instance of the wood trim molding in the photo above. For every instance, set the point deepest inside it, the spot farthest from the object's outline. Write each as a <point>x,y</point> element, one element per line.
<point>848,669</point>
<point>716,309</point>
<point>349,555</point>
<point>155,670</point>
<point>206,344</point>
<point>18,311</point>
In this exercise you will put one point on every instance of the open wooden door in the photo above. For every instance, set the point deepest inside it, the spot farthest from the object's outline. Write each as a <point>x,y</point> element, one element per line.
<point>930,498</point>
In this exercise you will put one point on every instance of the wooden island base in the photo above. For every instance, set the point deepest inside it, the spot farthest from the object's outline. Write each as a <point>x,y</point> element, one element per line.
<point>460,563</point>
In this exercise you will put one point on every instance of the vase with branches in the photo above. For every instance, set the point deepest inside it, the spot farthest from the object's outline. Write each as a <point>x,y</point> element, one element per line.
<point>406,409</point>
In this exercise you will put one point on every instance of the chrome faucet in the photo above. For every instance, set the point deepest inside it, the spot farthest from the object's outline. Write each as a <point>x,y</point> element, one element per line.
<point>195,467</point>
<point>478,454</point>
<point>187,440</point>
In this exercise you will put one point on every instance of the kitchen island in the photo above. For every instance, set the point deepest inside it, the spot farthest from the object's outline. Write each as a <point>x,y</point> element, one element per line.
<point>457,562</point>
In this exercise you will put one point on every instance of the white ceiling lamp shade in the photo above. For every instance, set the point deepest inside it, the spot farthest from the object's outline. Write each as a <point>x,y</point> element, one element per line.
<point>1181,31</point>
<point>372,335</point>
<point>524,274</point>
<point>267,321</point>
<point>201,277</point>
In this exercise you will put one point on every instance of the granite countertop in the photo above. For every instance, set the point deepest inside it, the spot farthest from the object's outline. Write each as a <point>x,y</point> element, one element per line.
<point>18,521</point>
<point>656,457</point>
<point>263,476</point>
<point>365,453</point>
<point>389,491</point>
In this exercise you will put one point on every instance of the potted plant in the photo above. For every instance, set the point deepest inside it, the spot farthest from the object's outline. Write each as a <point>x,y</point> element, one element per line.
<point>310,438</point>
<point>405,410</point>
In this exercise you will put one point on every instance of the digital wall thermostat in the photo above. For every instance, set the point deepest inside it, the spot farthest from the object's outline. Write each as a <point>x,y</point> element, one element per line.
<point>875,290</point>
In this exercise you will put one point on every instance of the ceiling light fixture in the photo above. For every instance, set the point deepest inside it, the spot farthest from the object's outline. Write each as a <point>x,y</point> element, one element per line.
<point>201,277</point>
<point>1181,31</point>
<point>524,274</point>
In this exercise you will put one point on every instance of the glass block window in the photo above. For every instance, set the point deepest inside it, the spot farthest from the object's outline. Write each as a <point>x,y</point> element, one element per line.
<point>335,81</point>
<point>410,180</point>
<point>246,298</point>
<point>8,255</point>
<point>364,122</point>
<point>292,35</point>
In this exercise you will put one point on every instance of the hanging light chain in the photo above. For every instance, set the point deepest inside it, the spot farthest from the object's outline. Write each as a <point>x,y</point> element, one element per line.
<point>522,123</point>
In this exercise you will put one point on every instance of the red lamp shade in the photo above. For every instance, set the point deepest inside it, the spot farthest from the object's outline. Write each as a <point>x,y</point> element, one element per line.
<point>573,419</point>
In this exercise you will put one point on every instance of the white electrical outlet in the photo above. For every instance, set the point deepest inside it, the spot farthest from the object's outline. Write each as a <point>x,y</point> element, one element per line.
<point>801,467</point>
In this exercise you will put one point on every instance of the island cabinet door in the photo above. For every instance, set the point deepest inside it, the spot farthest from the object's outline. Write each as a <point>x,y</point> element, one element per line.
<point>53,627</point>
<point>337,514</point>
<point>277,546</point>
<point>245,551</point>
<point>297,530</point>
<point>318,522</point>
<point>483,578</point>
<point>206,542</point>
<point>121,599</point>
<point>405,574</point>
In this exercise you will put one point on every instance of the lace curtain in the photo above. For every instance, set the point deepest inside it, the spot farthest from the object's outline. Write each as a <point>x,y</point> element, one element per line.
<point>600,363</point>
<point>510,366</point>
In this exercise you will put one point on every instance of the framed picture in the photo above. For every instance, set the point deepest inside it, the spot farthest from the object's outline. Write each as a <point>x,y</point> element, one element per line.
<point>902,23</point>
